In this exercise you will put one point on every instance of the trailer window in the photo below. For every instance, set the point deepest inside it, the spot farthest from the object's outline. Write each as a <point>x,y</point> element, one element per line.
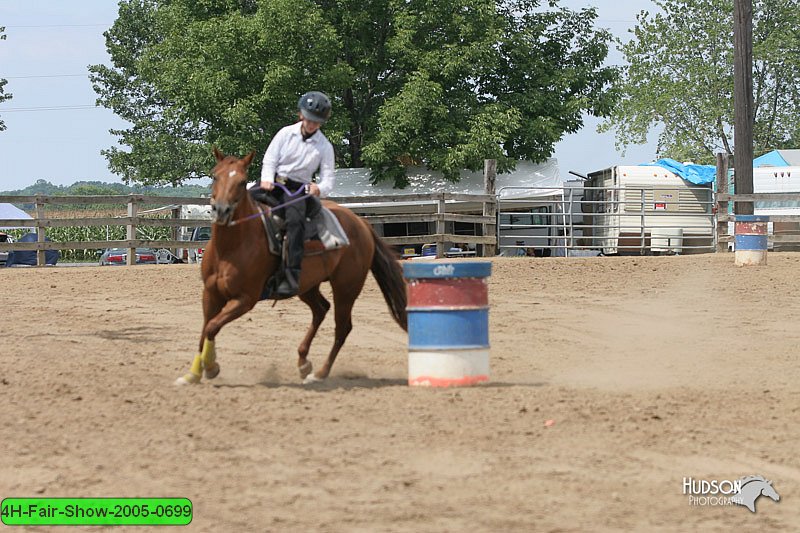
<point>464,228</point>
<point>535,217</point>
<point>405,229</point>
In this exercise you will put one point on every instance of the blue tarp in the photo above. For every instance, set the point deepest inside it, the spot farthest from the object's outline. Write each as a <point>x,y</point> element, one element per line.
<point>770,159</point>
<point>28,257</point>
<point>697,174</point>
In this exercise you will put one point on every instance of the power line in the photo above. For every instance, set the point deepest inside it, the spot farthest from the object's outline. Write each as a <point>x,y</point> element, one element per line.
<point>49,108</point>
<point>58,26</point>
<point>46,76</point>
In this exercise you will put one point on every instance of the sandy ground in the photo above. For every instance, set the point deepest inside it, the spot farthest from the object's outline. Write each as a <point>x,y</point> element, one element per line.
<point>653,369</point>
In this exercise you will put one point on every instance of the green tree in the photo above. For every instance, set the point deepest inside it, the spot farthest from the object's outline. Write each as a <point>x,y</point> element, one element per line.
<point>680,77</point>
<point>191,74</point>
<point>3,95</point>
<point>441,83</point>
<point>483,80</point>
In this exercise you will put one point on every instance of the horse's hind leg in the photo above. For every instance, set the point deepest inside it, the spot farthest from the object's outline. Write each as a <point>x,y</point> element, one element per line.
<point>343,299</point>
<point>319,308</point>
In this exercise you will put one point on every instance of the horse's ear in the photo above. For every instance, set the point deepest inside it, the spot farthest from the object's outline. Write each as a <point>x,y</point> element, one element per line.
<point>249,158</point>
<point>219,155</point>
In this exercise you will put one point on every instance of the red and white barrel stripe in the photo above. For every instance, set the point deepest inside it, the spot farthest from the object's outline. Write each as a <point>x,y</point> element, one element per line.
<point>751,240</point>
<point>448,323</point>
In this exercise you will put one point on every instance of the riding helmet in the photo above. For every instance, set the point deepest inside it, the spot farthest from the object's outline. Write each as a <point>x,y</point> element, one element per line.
<point>315,106</point>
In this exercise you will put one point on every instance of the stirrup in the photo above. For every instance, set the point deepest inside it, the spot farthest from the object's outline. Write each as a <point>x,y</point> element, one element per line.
<point>284,285</point>
<point>285,289</point>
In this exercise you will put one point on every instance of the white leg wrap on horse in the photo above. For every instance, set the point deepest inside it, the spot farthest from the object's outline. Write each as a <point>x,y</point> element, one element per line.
<point>311,378</point>
<point>188,379</point>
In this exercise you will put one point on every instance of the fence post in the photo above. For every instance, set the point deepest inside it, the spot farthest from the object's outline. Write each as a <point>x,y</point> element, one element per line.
<point>132,210</point>
<point>40,231</point>
<point>722,206</point>
<point>176,215</point>
<point>571,220</point>
<point>490,207</point>
<point>440,227</point>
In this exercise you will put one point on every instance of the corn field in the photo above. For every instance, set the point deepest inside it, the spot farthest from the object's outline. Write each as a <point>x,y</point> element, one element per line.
<point>93,233</point>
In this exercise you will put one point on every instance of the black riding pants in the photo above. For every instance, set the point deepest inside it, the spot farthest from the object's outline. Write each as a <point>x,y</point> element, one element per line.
<point>295,216</point>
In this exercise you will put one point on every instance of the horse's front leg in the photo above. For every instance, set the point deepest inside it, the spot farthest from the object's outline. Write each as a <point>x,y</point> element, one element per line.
<point>207,358</point>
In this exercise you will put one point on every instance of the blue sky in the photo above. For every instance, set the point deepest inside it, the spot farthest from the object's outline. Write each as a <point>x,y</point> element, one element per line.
<point>55,132</point>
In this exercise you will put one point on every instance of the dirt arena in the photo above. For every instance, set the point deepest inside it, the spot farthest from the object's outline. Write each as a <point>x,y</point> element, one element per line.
<point>653,369</point>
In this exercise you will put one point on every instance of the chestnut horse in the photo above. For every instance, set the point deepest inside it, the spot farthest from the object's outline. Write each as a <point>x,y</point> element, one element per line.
<point>237,263</point>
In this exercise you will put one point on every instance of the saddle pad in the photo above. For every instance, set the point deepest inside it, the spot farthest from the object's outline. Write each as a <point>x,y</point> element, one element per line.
<point>329,230</point>
<point>323,226</point>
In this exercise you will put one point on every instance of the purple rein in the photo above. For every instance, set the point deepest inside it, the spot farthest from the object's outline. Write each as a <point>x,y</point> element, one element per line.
<point>279,206</point>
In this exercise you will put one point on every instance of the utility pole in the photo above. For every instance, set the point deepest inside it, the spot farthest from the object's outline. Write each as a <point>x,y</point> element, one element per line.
<point>743,102</point>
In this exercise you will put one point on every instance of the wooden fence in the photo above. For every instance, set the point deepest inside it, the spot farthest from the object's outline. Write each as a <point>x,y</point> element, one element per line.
<point>461,208</point>
<point>789,236</point>
<point>132,221</point>
<point>448,208</point>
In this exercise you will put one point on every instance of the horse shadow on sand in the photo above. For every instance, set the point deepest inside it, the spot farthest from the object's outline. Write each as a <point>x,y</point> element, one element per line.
<point>349,380</point>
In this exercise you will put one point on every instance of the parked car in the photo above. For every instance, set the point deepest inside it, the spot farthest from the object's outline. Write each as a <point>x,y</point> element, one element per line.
<point>119,256</point>
<point>4,255</point>
<point>202,233</point>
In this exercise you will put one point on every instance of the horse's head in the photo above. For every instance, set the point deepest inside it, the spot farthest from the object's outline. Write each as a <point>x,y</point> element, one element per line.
<point>230,185</point>
<point>769,491</point>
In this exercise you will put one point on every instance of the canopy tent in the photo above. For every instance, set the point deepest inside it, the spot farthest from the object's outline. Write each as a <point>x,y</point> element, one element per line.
<point>11,212</point>
<point>778,158</point>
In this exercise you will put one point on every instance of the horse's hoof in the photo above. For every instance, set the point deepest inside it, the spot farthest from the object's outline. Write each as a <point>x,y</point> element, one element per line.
<point>212,371</point>
<point>305,370</point>
<point>188,379</point>
<point>311,378</point>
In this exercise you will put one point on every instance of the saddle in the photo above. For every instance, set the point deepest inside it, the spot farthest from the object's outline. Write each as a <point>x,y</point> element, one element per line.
<point>322,232</point>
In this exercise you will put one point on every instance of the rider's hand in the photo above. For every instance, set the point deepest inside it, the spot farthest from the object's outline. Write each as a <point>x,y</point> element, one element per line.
<point>267,185</point>
<point>312,189</point>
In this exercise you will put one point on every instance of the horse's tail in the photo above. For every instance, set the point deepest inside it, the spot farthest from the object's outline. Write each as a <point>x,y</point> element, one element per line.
<point>389,275</point>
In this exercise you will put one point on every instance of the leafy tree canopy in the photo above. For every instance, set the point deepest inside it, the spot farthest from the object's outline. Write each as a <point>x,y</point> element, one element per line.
<point>3,95</point>
<point>443,83</point>
<point>100,188</point>
<point>680,77</point>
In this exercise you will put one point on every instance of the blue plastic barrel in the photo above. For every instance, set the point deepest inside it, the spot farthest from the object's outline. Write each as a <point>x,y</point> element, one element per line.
<point>751,240</point>
<point>448,323</point>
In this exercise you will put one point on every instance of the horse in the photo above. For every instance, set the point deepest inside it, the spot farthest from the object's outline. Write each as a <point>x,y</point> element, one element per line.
<point>237,263</point>
<point>752,488</point>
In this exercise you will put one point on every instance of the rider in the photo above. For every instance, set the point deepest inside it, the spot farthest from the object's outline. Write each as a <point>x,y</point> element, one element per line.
<point>295,154</point>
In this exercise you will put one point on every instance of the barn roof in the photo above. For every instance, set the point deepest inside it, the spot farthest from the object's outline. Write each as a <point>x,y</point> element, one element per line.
<point>11,212</point>
<point>533,179</point>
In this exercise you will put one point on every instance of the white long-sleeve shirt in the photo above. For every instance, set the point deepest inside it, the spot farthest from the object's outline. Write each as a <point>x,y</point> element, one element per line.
<point>289,156</point>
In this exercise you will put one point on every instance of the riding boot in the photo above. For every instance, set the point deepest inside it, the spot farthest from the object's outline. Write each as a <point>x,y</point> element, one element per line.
<point>289,285</point>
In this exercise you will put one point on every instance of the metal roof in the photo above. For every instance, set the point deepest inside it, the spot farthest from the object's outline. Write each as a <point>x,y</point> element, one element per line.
<point>529,179</point>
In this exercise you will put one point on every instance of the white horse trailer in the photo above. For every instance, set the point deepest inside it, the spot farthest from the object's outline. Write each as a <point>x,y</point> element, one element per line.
<point>641,209</point>
<point>778,180</point>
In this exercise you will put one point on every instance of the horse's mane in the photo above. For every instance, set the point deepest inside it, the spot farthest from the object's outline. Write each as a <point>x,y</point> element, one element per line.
<point>748,479</point>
